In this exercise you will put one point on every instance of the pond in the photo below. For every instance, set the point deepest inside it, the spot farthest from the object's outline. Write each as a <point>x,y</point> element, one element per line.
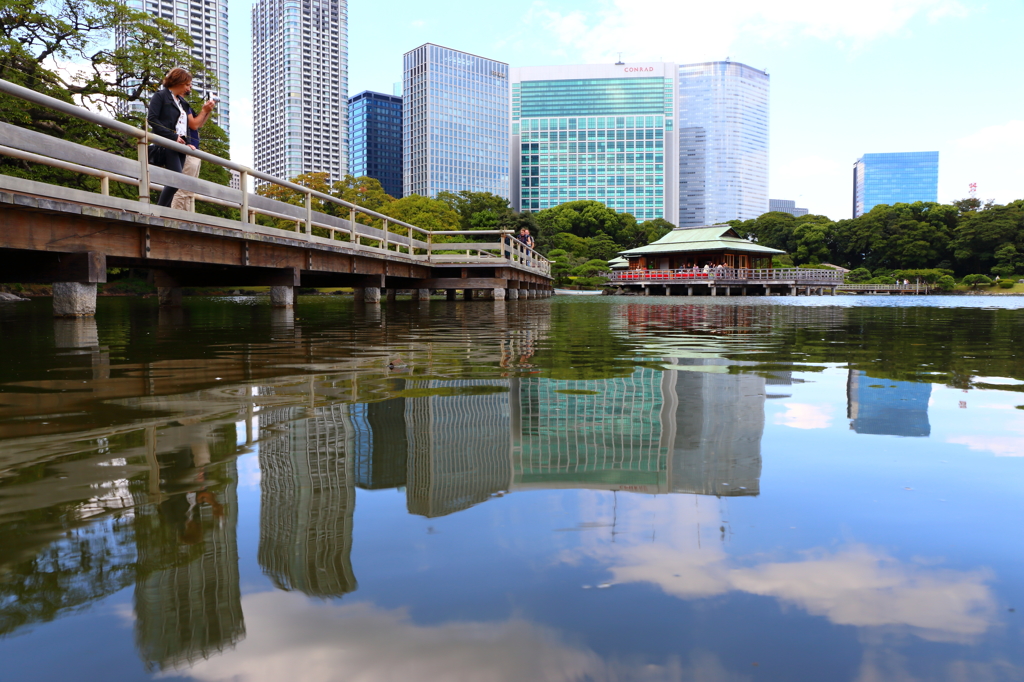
<point>615,488</point>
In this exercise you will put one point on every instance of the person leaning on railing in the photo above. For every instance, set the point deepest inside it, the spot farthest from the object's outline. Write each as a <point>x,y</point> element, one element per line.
<point>170,117</point>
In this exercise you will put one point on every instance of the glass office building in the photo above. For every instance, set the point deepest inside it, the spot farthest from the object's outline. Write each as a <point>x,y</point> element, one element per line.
<point>375,139</point>
<point>597,132</point>
<point>206,21</point>
<point>454,122</point>
<point>723,143</point>
<point>786,206</point>
<point>901,177</point>
<point>300,104</point>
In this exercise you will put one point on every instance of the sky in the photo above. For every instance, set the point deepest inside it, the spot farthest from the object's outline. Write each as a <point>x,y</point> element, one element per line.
<point>846,78</point>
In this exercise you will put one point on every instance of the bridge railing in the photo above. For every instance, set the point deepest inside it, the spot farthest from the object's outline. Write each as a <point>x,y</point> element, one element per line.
<point>309,224</point>
<point>825,276</point>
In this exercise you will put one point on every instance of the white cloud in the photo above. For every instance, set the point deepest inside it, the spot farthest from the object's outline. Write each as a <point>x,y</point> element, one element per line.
<point>1000,446</point>
<point>625,25</point>
<point>241,130</point>
<point>290,637</point>
<point>989,157</point>
<point>805,416</point>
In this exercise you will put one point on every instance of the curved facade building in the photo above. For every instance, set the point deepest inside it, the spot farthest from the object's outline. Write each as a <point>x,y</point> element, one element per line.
<point>723,143</point>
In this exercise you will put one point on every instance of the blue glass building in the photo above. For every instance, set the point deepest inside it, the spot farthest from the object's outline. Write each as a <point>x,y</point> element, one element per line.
<point>723,143</point>
<point>375,139</point>
<point>598,132</point>
<point>455,122</point>
<point>900,177</point>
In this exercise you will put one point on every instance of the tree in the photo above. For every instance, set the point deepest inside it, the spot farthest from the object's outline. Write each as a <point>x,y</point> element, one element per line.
<point>975,280</point>
<point>467,204</point>
<point>1008,261</point>
<point>946,283</point>
<point>362,191</point>
<point>424,212</point>
<point>979,234</point>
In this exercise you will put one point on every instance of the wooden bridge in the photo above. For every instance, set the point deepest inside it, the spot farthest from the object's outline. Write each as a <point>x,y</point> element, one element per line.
<point>729,281</point>
<point>67,237</point>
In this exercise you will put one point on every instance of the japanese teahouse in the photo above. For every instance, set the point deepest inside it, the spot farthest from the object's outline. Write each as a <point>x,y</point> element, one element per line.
<point>712,259</point>
<point>686,247</point>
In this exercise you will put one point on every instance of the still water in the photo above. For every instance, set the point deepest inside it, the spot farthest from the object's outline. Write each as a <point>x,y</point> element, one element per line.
<point>615,489</point>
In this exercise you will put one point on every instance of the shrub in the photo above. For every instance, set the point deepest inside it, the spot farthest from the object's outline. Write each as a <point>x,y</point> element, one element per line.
<point>975,280</point>
<point>946,283</point>
<point>858,275</point>
<point>1006,284</point>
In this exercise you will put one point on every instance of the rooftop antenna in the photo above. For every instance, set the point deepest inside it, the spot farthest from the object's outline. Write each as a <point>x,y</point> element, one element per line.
<point>620,62</point>
<point>973,187</point>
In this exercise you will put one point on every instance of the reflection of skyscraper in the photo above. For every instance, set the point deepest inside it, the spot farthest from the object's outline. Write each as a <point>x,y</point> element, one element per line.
<point>886,407</point>
<point>458,447</point>
<point>380,445</point>
<point>306,506</point>
<point>607,434</point>
<point>188,601</point>
<point>719,421</point>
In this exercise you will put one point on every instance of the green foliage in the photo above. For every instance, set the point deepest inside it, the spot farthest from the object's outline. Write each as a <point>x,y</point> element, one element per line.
<point>591,268</point>
<point>591,230</point>
<point>468,204</point>
<point>859,275</point>
<point>590,281</point>
<point>1006,284</point>
<point>975,280</point>
<point>424,212</point>
<point>946,283</point>
<point>929,275</point>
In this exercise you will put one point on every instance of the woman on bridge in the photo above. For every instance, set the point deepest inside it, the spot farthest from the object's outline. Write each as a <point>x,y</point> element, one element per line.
<point>170,117</point>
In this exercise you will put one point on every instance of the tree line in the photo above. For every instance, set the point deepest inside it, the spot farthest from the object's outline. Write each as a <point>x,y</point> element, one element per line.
<point>965,237</point>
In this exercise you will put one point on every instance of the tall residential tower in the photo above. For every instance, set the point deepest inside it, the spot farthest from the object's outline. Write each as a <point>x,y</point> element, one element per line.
<point>896,178</point>
<point>454,122</point>
<point>300,88</point>
<point>207,22</point>
<point>723,143</point>
<point>597,132</point>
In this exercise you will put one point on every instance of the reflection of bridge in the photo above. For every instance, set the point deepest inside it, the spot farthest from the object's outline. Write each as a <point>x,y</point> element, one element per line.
<point>69,237</point>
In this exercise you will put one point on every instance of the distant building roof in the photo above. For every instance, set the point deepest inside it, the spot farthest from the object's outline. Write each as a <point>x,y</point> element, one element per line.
<point>703,238</point>
<point>618,263</point>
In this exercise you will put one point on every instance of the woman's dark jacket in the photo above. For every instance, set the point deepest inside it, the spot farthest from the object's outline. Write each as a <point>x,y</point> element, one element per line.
<point>163,115</point>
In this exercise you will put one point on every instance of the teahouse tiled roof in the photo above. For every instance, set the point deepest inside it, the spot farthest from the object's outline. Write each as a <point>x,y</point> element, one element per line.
<point>702,239</point>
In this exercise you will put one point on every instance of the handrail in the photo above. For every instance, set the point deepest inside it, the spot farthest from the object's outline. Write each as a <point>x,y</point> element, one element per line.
<point>527,256</point>
<point>824,275</point>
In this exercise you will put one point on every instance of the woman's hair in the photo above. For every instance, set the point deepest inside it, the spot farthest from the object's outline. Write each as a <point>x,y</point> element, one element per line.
<point>177,76</point>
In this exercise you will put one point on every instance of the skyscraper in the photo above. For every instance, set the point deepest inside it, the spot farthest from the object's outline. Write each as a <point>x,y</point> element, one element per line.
<point>786,206</point>
<point>300,88</point>
<point>901,177</point>
<point>207,22</point>
<point>375,139</point>
<point>454,122</point>
<point>601,132</point>
<point>723,143</point>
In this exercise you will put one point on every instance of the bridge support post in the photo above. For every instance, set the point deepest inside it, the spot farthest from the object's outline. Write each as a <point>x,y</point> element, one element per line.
<point>169,297</point>
<point>499,294</point>
<point>743,291</point>
<point>792,291</point>
<point>282,296</point>
<point>512,294</point>
<point>728,291</point>
<point>714,291</point>
<point>74,299</point>
<point>689,291</point>
<point>524,293</point>
<point>449,294</point>
<point>467,294</point>
<point>423,294</point>
<point>392,294</point>
<point>371,294</point>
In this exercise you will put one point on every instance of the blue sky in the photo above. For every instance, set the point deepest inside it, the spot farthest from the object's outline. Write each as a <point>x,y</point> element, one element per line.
<point>846,78</point>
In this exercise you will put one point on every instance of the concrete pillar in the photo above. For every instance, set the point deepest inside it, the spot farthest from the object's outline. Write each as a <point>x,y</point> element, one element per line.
<point>169,296</point>
<point>728,291</point>
<point>689,291</point>
<point>358,294</point>
<point>714,291</point>
<point>524,293</point>
<point>449,294</point>
<point>282,297</point>
<point>467,294</point>
<point>512,294</point>
<point>499,294</point>
<point>744,290</point>
<point>792,291</point>
<point>423,294</point>
<point>74,299</point>
<point>647,292</point>
<point>392,293</point>
<point>371,294</point>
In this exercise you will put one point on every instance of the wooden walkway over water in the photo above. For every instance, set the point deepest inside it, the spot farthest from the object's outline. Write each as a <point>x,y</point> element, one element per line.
<point>67,237</point>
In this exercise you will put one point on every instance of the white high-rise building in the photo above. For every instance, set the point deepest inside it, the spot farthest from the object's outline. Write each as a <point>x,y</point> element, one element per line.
<point>723,143</point>
<point>207,22</point>
<point>455,122</point>
<point>300,87</point>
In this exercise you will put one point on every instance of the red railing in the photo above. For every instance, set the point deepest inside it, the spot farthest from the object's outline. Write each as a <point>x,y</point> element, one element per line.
<point>802,275</point>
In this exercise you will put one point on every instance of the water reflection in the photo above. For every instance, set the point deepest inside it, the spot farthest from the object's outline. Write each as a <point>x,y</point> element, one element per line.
<point>887,407</point>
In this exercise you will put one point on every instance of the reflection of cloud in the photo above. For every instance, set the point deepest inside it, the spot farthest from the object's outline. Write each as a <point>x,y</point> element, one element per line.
<point>804,416</point>
<point>294,638</point>
<point>1000,446</point>
<point>864,588</point>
